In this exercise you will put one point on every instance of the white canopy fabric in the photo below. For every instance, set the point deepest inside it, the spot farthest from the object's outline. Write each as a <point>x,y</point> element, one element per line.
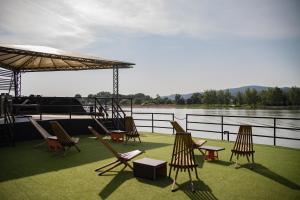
<point>28,58</point>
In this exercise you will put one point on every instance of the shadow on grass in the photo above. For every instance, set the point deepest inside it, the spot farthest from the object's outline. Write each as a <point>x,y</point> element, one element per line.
<point>221,162</point>
<point>202,191</point>
<point>118,180</point>
<point>24,160</point>
<point>262,170</point>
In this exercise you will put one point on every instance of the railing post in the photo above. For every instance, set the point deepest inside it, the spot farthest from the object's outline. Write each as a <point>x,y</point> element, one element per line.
<point>95,107</point>
<point>274,132</point>
<point>222,127</point>
<point>152,123</point>
<point>173,118</point>
<point>131,106</point>
<point>40,110</point>
<point>186,122</point>
<point>70,111</point>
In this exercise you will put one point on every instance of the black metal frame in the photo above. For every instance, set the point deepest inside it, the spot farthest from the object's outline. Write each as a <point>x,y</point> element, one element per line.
<point>222,124</point>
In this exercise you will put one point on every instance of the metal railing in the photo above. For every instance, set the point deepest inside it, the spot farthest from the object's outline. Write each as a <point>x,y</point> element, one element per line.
<point>151,118</point>
<point>228,133</point>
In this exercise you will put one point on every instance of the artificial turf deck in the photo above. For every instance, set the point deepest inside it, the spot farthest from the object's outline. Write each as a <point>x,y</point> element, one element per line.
<point>28,173</point>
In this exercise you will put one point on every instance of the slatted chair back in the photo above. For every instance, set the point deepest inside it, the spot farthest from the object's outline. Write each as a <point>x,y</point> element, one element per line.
<point>131,130</point>
<point>183,158</point>
<point>177,127</point>
<point>107,132</point>
<point>130,125</point>
<point>106,144</point>
<point>244,142</point>
<point>183,154</point>
<point>63,137</point>
<point>40,129</point>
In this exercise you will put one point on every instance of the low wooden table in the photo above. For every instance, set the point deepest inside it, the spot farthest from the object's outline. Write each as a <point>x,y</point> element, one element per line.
<point>117,135</point>
<point>211,152</point>
<point>149,168</point>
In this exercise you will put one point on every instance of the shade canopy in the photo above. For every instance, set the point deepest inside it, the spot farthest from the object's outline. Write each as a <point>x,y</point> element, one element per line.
<point>28,58</point>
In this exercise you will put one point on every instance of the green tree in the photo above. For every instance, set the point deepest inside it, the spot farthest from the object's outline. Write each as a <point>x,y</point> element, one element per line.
<point>293,96</point>
<point>77,95</point>
<point>240,98</point>
<point>210,97</point>
<point>179,99</point>
<point>194,99</point>
<point>251,97</point>
<point>227,97</point>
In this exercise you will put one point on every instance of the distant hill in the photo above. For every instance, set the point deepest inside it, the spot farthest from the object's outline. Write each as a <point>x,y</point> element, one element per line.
<point>233,91</point>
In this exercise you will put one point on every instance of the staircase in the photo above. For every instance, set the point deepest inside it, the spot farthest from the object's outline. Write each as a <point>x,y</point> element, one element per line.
<point>7,121</point>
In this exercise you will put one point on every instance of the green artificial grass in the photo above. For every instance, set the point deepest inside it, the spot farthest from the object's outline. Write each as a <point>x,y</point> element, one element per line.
<point>29,173</point>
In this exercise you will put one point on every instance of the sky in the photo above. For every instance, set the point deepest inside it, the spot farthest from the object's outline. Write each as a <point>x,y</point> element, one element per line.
<point>178,46</point>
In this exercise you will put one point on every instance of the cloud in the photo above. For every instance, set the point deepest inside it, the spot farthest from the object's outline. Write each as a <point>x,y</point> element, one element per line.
<point>77,23</point>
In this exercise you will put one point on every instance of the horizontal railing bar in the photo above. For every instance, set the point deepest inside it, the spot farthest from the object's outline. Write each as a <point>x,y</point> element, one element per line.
<point>243,116</point>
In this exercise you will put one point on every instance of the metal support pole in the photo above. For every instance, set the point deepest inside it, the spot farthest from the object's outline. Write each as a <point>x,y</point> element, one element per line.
<point>116,93</point>
<point>152,123</point>
<point>17,83</point>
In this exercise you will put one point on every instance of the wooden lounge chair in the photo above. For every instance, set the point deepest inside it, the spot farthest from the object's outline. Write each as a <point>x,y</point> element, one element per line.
<point>244,144</point>
<point>122,158</point>
<point>50,140</point>
<point>63,137</point>
<point>131,131</point>
<point>107,132</point>
<point>183,156</point>
<point>196,144</point>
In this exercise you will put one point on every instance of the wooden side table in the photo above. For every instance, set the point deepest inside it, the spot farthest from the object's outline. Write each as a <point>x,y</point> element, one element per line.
<point>149,168</point>
<point>211,152</point>
<point>117,135</point>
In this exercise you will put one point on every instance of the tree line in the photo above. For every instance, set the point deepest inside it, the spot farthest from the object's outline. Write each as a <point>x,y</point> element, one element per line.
<point>251,97</point>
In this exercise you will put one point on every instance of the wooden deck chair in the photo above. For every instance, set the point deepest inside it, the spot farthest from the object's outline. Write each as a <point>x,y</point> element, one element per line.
<point>50,140</point>
<point>244,144</point>
<point>131,131</point>
<point>63,137</point>
<point>183,156</point>
<point>122,158</point>
<point>107,132</point>
<point>196,144</point>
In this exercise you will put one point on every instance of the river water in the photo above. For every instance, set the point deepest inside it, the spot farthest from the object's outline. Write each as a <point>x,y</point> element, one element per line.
<point>180,116</point>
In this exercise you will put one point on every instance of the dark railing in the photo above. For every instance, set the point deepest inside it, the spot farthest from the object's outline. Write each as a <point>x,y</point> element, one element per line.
<point>221,123</point>
<point>151,118</point>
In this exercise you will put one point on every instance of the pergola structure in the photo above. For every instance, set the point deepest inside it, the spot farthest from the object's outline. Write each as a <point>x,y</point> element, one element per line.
<point>26,58</point>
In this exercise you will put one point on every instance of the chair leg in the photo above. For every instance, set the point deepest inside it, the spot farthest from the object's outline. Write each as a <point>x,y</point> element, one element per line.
<point>196,173</point>
<point>110,168</point>
<point>174,181</point>
<point>77,147</point>
<point>201,152</point>
<point>236,162</point>
<point>231,157</point>
<point>127,164</point>
<point>247,156</point>
<point>139,139</point>
<point>107,165</point>
<point>170,170</point>
<point>192,185</point>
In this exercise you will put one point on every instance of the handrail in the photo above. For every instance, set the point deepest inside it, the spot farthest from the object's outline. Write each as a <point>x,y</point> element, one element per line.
<point>101,109</point>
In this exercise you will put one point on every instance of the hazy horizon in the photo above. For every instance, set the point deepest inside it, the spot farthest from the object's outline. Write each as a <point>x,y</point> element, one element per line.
<point>177,47</point>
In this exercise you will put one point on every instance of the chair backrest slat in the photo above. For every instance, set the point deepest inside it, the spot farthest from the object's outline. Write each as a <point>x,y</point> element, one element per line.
<point>183,154</point>
<point>106,144</point>
<point>244,141</point>
<point>63,137</point>
<point>40,129</point>
<point>177,127</point>
<point>102,126</point>
<point>130,125</point>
